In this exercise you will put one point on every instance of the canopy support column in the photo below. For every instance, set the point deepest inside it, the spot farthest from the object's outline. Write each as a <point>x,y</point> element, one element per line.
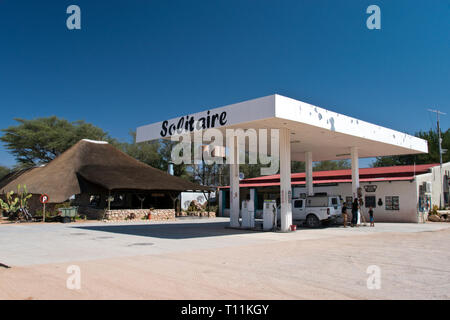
<point>355,172</point>
<point>309,173</point>
<point>285,180</point>
<point>234,186</point>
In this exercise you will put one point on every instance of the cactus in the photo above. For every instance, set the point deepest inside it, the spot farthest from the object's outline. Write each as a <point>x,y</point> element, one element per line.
<point>13,204</point>
<point>23,196</point>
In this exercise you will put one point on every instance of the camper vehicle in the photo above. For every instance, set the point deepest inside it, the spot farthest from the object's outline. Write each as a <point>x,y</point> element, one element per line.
<point>314,210</point>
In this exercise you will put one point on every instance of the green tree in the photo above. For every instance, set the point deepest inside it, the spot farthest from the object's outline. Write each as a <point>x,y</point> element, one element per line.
<point>4,171</point>
<point>38,141</point>
<point>165,150</point>
<point>297,166</point>
<point>155,153</point>
<point>146,152</point>
<point>331,165</point>
<point>432,156</point>
<point>251,170</point>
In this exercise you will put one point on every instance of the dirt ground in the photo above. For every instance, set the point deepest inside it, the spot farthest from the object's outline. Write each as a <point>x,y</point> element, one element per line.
<point>412,265</point>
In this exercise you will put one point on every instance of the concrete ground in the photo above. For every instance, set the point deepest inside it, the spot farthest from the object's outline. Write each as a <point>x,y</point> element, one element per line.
<point>201,259</point>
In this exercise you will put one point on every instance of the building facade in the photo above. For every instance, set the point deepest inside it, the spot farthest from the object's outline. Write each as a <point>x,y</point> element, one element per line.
<point>397,194</point>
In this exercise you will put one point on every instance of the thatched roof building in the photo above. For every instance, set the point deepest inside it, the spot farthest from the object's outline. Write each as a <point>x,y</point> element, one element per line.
<point>94,167</point>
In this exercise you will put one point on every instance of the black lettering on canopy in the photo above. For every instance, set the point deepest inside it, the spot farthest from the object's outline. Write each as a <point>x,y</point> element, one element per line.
<point>180,125</point>
<point>164,128</point>
<point>223,118</point>
<point>189,123</point>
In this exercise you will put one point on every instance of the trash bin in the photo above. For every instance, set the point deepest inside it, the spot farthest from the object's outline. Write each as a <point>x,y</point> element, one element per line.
<point>68,214</point>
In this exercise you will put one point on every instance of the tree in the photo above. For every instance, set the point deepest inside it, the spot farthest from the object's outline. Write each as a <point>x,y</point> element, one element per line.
<point>155,153</point>
<point>431,157</point>
<point>4,171</point>
<point>39,141</point>
<point>165,150</point>
<point>146,152</point>
<point>331,165</point>
<point>297,166</point>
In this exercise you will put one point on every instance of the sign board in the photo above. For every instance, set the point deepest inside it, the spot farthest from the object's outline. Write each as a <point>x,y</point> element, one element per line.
<point>370,188</point>
<point>44,198</point>
<point>243,112</point>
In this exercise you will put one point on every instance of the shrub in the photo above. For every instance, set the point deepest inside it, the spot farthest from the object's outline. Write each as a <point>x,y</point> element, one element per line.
<point>434,210</point>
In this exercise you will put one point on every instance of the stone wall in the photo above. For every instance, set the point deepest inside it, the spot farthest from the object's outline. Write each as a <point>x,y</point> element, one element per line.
<point>210,214</point>
<point>138,214</point>
<point>91,213</point>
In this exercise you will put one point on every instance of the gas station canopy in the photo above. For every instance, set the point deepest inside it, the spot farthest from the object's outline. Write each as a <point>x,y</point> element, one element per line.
<point>327,134</point>
<point>306,133</point>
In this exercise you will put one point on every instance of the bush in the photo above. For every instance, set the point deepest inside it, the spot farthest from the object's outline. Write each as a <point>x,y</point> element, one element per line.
<point>195,206</point>
<point>48,214</point>
<point>434,211</point>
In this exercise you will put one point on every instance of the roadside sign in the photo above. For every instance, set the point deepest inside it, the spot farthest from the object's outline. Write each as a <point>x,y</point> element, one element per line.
<point>43,198</point>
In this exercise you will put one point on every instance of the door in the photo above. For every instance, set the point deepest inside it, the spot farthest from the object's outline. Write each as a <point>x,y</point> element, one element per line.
<point>335,205</point>
<point>298,212</point>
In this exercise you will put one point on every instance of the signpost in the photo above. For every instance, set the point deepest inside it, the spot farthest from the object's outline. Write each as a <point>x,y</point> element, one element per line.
<point>43,199</point>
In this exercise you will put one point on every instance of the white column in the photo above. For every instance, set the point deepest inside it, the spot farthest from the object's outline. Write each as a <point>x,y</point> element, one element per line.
<point>355,172</point>
<point>220,202</point>
<point>285,179</point>
<point>252,195</point>
<point>309,173</point>
<point>234,187</point>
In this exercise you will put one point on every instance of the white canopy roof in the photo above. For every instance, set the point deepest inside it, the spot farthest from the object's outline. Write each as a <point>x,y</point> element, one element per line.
<point>329,135</point>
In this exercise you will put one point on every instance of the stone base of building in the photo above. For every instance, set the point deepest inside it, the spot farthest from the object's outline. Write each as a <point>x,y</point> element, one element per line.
<point>210,214</point>
<point>128,214</point>
<point>140,214</point>
<point>91,213</point>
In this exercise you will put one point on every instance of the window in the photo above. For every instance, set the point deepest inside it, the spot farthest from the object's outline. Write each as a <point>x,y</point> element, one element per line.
<point>392,203</point>
<point>334,201</point>
<point>371,201</point>
<point>298,204</point>
<point>94,200</point>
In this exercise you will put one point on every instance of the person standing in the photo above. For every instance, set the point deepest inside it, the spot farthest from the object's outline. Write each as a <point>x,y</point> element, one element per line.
<point>344,214</point>
<point>355,212</point>
<point>372,223</point>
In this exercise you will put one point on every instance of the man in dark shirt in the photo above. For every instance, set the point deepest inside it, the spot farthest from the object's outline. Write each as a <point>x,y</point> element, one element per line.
<point>355,212</point>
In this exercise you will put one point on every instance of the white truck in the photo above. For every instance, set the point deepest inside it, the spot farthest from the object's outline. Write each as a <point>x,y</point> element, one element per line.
<point>314,210</point>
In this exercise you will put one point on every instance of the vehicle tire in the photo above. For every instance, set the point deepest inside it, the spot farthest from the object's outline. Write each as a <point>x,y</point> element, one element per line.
<point>312,221</point>
<point>66,220</point>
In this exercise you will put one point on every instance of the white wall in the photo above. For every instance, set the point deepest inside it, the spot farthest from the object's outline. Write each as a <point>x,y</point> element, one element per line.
<point>436,182</point>
<point>189,196</point>
<point>406,191</point>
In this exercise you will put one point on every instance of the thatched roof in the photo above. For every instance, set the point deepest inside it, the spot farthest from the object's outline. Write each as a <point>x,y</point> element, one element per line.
<point>98,163</point>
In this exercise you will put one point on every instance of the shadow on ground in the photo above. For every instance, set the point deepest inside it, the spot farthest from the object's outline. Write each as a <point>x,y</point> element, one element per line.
<point>170,231</point>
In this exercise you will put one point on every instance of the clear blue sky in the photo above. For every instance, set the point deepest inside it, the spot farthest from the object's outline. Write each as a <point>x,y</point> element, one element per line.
<point>135,62</point>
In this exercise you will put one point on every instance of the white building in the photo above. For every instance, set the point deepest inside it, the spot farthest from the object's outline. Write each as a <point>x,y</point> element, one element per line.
<point>397,194</point>
<point>187,197</point>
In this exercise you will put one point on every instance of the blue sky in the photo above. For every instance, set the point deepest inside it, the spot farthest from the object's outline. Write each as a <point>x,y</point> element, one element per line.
<point>136,62</point>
